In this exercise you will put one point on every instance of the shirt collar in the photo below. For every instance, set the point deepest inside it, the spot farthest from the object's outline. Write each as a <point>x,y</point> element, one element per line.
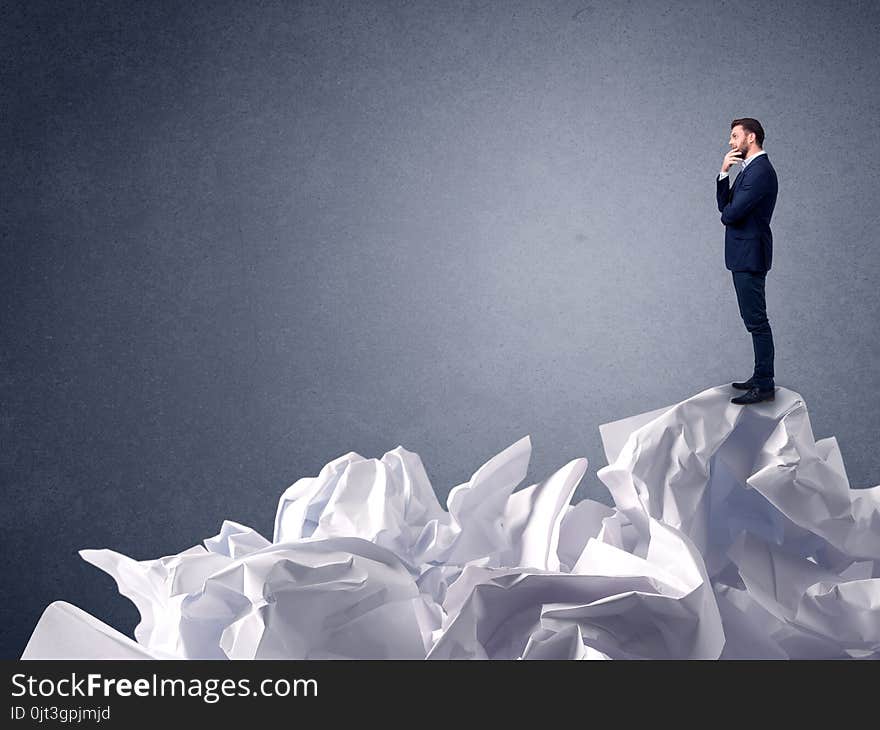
<point>748,160</point>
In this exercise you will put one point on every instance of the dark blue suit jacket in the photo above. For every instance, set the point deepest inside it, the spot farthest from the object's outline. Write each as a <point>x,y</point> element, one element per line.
<point>745,212</point>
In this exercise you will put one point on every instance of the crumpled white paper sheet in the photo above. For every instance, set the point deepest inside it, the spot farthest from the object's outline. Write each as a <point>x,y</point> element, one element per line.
<point>734,535</point>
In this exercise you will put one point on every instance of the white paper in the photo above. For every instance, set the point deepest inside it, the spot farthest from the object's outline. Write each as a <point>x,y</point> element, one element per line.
<point>734,534</point>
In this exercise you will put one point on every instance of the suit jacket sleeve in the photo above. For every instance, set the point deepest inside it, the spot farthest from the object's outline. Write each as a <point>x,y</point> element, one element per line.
<point>747,197</point>
<point>722,192</point>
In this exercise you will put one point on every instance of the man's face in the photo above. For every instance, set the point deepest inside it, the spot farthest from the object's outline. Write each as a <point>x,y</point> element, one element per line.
<point>739,140</point>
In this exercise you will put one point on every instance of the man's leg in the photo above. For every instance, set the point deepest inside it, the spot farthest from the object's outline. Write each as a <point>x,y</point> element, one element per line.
<point>750,295</point>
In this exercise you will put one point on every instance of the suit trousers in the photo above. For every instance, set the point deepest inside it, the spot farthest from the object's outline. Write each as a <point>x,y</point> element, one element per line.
<point>749,287</point>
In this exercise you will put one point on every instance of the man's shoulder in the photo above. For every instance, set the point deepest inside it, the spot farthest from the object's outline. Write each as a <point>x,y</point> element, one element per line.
<point>762,161</point>
<point>763,167</point>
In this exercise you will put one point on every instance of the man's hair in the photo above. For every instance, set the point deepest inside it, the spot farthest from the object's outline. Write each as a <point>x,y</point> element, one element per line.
<point>751,125</point>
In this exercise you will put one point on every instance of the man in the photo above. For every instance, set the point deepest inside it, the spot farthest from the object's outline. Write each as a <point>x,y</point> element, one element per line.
<point>746,210</point>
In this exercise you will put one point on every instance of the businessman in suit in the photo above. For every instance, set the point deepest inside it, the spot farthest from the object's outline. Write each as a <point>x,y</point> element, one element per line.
<point>746,209</point>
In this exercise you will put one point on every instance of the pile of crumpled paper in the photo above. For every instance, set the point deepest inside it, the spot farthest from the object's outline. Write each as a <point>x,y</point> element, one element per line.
<point>735,535</point>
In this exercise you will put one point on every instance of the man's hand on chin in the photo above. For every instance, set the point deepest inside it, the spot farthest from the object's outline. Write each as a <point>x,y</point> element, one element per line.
<point>731,158</point>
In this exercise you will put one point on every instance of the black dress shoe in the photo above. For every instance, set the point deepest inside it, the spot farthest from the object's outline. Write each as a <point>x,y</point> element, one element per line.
<point>745,385</point>
<point>754,395</point>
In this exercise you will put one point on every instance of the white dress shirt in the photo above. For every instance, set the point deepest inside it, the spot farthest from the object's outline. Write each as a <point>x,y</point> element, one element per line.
<point>722,175</point>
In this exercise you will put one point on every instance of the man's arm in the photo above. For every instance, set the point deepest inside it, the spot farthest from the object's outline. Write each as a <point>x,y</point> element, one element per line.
<point>723,185</point>
<point>722,191</point>
<point>748,195</point>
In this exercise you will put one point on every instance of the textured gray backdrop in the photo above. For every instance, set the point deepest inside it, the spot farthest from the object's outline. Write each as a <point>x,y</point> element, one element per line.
<point>242,239</point>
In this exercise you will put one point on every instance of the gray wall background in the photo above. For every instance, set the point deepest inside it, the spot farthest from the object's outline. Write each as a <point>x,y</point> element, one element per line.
<point>242,239</point>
